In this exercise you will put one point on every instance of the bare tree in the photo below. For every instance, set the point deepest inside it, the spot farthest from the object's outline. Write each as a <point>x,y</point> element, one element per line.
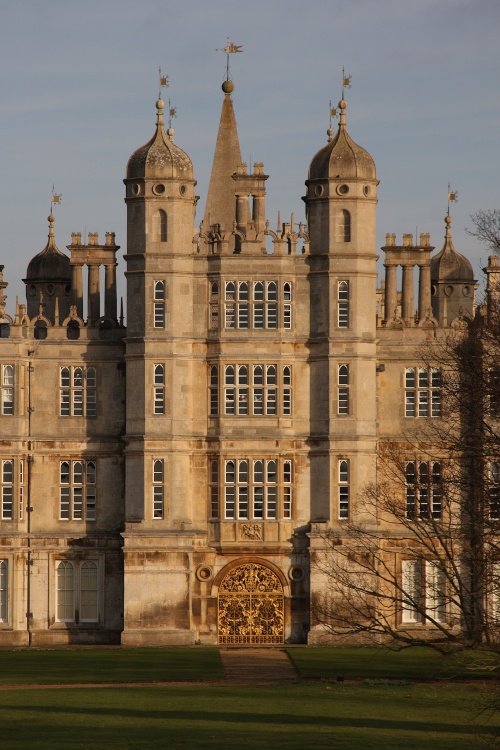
<point>486,228</point>
<point>419,562</point>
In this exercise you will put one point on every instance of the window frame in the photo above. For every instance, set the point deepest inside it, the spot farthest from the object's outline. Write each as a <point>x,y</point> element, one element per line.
<point>8,383</point>
<point>78,493</point>
<point>78,391</point>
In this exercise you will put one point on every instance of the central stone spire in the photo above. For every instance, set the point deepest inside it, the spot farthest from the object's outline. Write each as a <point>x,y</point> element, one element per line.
<point>221,201</point>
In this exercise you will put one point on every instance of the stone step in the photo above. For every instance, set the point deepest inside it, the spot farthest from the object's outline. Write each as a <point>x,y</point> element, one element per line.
<point>257,665</point>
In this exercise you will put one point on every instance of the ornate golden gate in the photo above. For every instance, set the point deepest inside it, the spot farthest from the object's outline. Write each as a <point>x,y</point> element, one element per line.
<point>250,606</point>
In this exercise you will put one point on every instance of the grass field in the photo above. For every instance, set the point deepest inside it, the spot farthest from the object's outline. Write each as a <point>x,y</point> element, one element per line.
<point>305,716</point>
<point>367,711</point>
<point>109,665</point>
<point>408,664</point>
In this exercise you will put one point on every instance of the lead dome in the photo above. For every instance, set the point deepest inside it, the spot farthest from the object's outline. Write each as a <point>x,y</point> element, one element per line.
<point>342,157</point>
<point>160,158</point>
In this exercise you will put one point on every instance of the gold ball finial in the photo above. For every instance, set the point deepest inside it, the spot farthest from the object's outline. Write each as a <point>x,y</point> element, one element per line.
<point>342,104</point>
<point>448,219</point>
<point>160,104</point>
<point>228,87</point>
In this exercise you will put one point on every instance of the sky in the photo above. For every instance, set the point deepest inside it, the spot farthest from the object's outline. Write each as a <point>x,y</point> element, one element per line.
<point>79,81</point>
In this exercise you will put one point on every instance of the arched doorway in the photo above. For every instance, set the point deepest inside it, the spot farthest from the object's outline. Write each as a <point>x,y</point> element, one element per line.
<point>250,606</point>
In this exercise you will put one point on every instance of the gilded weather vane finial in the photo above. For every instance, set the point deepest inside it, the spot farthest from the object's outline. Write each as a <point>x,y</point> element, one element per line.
<point>346,81</point>
<point>229,49</point>
<point>55,198</point>
<point>452,197</point>
<point>164,82</point>
<point>172,112</point>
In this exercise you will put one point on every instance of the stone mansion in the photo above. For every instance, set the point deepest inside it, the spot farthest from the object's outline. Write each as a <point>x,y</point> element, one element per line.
<point>167,481</point>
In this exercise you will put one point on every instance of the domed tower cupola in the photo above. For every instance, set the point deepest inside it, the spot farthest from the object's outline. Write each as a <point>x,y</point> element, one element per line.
<point>48,280</point>
<point>341,194</point>
<point>160,158</point>
<point>160,194</point>
<point>453,283</point>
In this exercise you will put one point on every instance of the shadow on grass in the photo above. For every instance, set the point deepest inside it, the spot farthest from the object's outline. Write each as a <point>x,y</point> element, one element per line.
<point>224,717</point>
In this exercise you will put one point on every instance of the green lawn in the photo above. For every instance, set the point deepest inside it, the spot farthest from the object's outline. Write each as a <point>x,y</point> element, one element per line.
<point>109,665</point>
<point>306,716</point>
<point>408,664</point>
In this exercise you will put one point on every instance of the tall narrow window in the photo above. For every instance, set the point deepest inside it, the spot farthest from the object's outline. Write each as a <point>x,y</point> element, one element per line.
<point>243,389</point>
<point>78,392</point>
<point>8,490</point>
<point>158,488</point>
<point>344,489</point>
<point>7,389</point>
<point>229,390</point>
<point>343,389</point>
<point>258,304</point>
<point>214,390</point>
<point>162,225</point>
<point>88,592</point>
<point>343,304</point>
<point>287,489</point>
<point>214,489</point>
<point>411,585</point>
<point>271,390</point>
<point>21,489</point>
<point>272,305</point>
<point>4,591</point>
<point>159,389</point>
<point>287,305</point>
<point>435,588</point>
<point>214,305</point>
<point>287,391</point>
<point>243,305</point>
<point>159,304</point>
<point>242,480</point>
<point>258,390</point>
<point>343,226</point>
<point>65,592</point>
<point>230,489</point>
<point>230,305</point>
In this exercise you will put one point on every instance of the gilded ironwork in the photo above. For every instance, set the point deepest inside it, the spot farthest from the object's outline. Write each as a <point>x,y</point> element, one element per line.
<point>251,607</point>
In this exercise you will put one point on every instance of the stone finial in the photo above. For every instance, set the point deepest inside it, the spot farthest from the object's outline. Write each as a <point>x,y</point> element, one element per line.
<point>110,238</point>
<point>93,238</point>
<point>258,167</point>
<point>241,169</point>
<point>76,238</point>
<point>425,239</point>
<point>407,240</point>
<point>390,239</point>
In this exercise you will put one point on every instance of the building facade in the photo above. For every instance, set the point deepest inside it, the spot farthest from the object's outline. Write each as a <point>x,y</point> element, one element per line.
<point>169,481</point>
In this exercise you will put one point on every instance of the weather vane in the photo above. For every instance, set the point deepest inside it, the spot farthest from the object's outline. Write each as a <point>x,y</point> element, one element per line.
<point>55,198</point>
<point>452,197</point>
<point>229,49</point>
<point>172,112</point>
<point>333,113</point>
<point>164,82</point>
<point>346,81</point>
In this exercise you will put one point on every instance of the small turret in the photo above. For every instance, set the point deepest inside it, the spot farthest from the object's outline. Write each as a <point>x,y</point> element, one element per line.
<point>48,279</point>
<point>453,283</point>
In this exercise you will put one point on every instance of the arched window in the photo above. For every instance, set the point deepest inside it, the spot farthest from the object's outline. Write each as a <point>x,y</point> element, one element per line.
<point>343,233</point>
<point>158,490</point>
<point>159,389</point>
<point>159,304</point>
<point>343,394</point>
<point>65,592</point>
<point>344,489</point>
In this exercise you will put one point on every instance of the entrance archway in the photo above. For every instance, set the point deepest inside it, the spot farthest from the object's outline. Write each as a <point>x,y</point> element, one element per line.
<point>250,606</point>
